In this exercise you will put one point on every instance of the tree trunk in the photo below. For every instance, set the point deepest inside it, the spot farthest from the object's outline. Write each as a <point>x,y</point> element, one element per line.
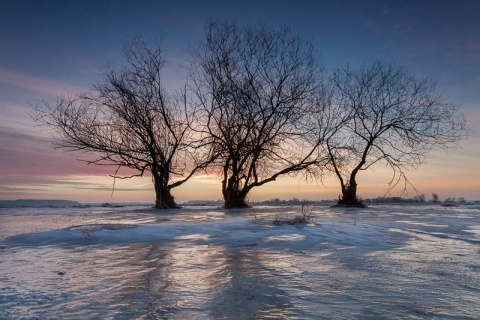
<point>234,199</point>
<point>163,197</point>
<point>349,194</point>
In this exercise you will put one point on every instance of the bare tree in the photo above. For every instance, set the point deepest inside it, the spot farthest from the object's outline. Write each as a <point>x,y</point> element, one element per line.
<point>129,120</point>
<point>393,118</point>
<point>257,88</point>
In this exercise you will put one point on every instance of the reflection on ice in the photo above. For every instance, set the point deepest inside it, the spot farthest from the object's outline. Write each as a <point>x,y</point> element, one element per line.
<point>423,223</point>
<point>475,230</point>
<point>194,236</point>
<point>286,237</point>
<point>380,262</point>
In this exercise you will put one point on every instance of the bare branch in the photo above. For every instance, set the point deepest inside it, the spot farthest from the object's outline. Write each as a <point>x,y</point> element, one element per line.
<point>129,119</point>
<point>395,118</point>
<point>256,88</point>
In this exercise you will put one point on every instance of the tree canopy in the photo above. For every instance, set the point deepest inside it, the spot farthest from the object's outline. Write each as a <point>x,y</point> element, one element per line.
<point>129,120</point>
<point>258,105</point>
<point>392,118</point>
<point>256,88</point>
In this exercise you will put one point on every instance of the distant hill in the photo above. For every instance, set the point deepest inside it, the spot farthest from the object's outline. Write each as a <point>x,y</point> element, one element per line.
<point>37,203</point>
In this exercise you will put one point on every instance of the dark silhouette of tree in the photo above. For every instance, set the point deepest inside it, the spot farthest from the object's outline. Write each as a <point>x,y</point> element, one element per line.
<point>129,120</point>
<point>392,118</point>
<point>257,88</point>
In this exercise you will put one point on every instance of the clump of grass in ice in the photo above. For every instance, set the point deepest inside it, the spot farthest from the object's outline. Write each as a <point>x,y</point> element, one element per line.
<point>303,219</point>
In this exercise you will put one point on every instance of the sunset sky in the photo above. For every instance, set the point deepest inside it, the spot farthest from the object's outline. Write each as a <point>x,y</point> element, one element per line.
<point>58,47</point>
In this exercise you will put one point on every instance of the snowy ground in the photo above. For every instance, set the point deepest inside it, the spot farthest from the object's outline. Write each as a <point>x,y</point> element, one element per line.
<point>392,262</point>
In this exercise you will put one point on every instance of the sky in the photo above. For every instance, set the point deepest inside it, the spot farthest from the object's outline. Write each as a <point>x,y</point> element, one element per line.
<point>58,47</point>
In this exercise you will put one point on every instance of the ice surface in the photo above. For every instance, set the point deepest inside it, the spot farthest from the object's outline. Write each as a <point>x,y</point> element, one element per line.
<point>392,262</point>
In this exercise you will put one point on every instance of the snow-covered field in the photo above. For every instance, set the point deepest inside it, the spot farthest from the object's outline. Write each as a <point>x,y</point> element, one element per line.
<point>391,262</point>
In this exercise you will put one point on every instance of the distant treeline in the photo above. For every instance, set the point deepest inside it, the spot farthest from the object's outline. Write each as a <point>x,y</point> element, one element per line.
<point>384,200</point>
<point>37,203</point>
<point>420,199</point>
<point>293,201</point>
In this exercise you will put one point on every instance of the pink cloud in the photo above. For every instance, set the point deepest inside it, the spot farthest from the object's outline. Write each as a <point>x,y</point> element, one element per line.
<point>31,167</point>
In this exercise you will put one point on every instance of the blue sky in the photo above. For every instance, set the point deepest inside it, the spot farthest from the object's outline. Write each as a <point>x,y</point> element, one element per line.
<point>57,47</point>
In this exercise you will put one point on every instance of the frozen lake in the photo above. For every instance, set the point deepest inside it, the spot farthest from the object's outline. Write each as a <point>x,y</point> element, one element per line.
<point>391,262</point>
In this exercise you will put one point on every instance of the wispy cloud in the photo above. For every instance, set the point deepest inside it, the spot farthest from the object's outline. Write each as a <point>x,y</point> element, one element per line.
<point>36,84</point>
<point>14,109</point>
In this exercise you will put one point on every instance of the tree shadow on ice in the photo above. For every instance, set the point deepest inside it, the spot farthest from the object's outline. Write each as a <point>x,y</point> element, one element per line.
<point>251,292</point>
<point>188,279</point>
